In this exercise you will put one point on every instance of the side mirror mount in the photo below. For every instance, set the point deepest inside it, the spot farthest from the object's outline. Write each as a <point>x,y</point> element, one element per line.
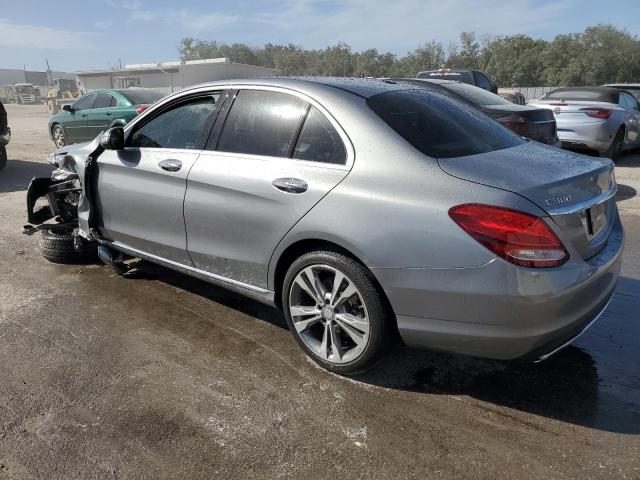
<point>67,108</point>
<point>113,139</point>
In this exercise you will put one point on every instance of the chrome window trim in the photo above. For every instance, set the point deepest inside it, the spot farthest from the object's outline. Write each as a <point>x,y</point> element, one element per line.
<point>231,86</point>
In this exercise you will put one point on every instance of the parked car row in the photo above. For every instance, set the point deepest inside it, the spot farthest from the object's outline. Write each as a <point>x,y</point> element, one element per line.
<point>360,207</point>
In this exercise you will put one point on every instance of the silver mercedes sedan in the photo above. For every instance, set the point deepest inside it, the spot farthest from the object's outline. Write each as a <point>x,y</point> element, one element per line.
<point>362,208</point>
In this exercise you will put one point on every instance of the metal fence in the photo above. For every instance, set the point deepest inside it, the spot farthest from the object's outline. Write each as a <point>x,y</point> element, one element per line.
<point>532,93</point>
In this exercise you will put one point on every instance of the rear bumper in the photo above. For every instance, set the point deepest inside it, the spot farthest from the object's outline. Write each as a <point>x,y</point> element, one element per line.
<point>594,135</point>
<point>499,310</point>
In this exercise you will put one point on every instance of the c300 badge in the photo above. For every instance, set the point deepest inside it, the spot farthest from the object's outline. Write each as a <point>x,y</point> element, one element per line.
<point>557,201</point>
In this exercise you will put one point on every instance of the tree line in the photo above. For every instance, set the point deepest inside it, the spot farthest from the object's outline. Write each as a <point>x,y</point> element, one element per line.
<point>600,54</point>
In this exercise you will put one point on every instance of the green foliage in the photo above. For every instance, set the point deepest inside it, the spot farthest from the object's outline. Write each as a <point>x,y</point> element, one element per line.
<point>600,54</point>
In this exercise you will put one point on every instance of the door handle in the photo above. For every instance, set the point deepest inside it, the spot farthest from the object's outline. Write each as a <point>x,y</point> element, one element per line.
<point>170,165</point>
<point>83,114</point>
<point>108,114</point>
<point>290,185</point>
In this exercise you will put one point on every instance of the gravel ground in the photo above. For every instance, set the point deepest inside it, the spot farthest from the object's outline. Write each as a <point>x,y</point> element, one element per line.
<point>161,376</point>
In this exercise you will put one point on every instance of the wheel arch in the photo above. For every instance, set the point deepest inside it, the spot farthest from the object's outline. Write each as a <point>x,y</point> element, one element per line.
<point>299,247</point>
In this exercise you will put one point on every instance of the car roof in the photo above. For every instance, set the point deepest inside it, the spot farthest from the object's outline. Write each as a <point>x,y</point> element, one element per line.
<point>624,85</point>
<point>361,87</point>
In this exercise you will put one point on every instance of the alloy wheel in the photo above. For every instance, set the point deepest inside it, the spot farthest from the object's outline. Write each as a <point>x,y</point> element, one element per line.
<point>58,136</point>
<point>329,313</point>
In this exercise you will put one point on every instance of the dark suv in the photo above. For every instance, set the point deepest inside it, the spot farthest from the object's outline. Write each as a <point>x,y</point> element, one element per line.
<point>464,75</point>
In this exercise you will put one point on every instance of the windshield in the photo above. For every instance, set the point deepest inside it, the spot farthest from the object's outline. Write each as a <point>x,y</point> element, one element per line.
<point>476,95</point>
<point>141,97</point>
<point>24,89</point>
<point>439,126</point>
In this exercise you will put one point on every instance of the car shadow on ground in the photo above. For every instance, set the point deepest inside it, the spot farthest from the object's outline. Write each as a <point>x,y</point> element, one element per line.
<point>625,192</point>
<point>17,174</point>
<point>576,385</point>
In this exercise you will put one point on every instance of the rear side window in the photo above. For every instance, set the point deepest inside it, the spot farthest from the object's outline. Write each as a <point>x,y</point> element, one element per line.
<point>627,101</point>
<point>84,103</point>
<point>179,127</point>
<point>319,141</point>
<point>482,81</point>
<point>103,100</point>
<point>440,127</point>
<point>262,123</point>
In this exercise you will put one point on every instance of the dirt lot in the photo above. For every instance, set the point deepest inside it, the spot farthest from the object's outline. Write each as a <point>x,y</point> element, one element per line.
<point>161,376</point>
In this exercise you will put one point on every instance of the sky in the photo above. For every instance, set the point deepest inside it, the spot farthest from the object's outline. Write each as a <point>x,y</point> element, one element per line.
<point>94,34</point>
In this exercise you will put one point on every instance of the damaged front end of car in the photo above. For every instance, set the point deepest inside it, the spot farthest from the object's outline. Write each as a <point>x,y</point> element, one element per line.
<point>60,203</point>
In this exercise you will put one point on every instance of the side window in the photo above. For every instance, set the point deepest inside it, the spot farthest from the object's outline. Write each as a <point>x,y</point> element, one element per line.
<point>319,141</point>
<point>627,101</point>
<point>482,81</point>
<point>84,103</point>
<point>179,127</point>
<point>114,102</point>
<point>103,100</point>
<point>261,123</point>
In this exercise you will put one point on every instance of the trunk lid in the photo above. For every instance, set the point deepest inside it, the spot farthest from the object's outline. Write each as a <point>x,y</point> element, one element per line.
<point>575,190</point>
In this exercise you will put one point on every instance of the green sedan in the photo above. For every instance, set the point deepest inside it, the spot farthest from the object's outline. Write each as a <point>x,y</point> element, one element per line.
<point>97,111</point>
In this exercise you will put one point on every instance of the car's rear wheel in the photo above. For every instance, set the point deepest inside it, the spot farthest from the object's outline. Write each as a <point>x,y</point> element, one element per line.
<point>615,150</point>
<point>59,246</point>
<point>335,311</point>
<point>58,136</point>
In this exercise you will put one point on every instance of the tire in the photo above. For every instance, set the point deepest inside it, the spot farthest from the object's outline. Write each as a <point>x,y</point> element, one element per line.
<point>615,150</point>
<point>3,157</point>
<point>315,327</point>
<point>58,135</point>
<point>59,247</point>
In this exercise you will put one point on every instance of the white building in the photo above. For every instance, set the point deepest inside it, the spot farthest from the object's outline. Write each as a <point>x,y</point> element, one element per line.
<point>170,76</point>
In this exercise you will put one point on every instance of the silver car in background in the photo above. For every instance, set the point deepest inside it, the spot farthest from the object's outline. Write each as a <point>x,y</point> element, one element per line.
<point>360,207</point>
<point>603,119</point>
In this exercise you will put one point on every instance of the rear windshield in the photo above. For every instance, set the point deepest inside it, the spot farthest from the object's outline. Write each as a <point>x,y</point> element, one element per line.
<point>476,95</point>
<point>594,95</point>
<point>142,97</point>
<point>439,126</point>
<point>464,77</point>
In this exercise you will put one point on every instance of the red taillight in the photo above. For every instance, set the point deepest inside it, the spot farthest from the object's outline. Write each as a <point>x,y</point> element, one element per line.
<point>141,108</point>
<point>518,237</point>
<point>603,113</point>
<point>517,124</point>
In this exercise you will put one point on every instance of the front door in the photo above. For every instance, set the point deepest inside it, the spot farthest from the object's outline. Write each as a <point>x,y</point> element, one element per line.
<point>100,116</point>
<point>276,157</point>
<point>140,191</point>
<point>76,124</point>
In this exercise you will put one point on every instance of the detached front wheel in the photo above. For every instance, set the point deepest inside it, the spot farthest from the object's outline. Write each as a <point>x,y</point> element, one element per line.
<point>59,246</point>
<point>336,312</point>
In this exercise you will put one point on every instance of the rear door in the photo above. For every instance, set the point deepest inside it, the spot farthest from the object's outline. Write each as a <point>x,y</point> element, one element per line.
<point>101,115</point>
<point>76,125</point>
<point>140,191</point>
<point>273,159</point>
